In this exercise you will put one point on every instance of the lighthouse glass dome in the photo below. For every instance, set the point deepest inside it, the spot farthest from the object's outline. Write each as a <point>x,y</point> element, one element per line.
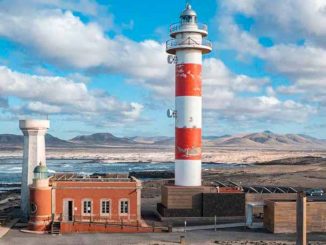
<point>188,16</point>
<point>41,172</point>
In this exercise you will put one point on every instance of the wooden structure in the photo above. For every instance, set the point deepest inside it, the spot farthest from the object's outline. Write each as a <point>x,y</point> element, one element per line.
<point>301,219</point>
<point>280,216</point>
<point>201,201</point>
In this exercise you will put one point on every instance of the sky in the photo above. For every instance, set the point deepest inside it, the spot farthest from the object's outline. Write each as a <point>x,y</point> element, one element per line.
<point>101,66</point>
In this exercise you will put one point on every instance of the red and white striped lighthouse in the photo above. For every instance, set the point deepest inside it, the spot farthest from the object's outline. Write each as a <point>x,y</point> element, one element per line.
<point>186,48</point>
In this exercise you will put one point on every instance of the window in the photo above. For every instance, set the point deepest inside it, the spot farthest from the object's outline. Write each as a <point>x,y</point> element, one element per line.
<point>188,19</point>
<point>87,207</point>
<point>105,206</point>
<point>124,206</point>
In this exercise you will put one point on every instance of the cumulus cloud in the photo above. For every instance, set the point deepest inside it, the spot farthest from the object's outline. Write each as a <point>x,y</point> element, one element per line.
<point>288,20</point>
<point>63,39</point>
<point>53,95</point>
<point>223,98</point>
<point>285,22</point>
<point>221,87</point>
<point>268,109</point>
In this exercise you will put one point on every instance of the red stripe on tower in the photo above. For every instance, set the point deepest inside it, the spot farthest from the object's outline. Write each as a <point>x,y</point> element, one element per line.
<point>188,143</point>
<point>188,80</point>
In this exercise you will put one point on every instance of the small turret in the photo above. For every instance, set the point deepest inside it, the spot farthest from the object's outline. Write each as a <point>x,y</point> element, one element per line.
<point>40,200</point>
<point>41,176</point>
<point>41,171</point>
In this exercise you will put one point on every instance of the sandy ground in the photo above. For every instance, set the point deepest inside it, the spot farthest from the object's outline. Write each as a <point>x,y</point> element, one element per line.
<point>234,237</point>
<point>166,154</point>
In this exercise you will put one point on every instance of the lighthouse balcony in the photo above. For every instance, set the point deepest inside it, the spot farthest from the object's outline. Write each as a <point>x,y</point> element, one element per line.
<point>188,27</point>
<point>176,44</point>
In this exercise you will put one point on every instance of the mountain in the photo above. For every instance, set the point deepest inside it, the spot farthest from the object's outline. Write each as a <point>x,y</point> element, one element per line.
<point>52,141</point>
<point>101,139</point>
<point>270,139</point>
<point>12,140</point>
<point>266,139</point>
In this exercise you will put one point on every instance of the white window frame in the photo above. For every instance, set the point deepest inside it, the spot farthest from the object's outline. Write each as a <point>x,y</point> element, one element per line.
<point>110,207</point>
<point>83,207</point>
<point>124,200</point>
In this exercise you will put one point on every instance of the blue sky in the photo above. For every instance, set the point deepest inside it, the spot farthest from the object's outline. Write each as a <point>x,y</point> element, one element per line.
<point>94,66</point>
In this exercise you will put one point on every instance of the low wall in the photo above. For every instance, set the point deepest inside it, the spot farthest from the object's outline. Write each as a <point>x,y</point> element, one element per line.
<point>77,227</point>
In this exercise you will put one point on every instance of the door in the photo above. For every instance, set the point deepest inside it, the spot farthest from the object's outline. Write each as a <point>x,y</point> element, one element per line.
<point>70,210</point>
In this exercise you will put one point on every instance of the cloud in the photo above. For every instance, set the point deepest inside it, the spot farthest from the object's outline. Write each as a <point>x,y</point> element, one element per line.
<point>267,109</point>
<point>39,107</point>
<point>223,98</point>
<point>285,22</point>
<point>63,39</point>
<point>53,95</point>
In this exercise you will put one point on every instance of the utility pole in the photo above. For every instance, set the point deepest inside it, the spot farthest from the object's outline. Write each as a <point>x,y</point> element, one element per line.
<point>301,218</point>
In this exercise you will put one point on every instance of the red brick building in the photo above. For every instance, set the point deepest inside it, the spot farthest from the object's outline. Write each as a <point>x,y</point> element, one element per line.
<point>75,203</point>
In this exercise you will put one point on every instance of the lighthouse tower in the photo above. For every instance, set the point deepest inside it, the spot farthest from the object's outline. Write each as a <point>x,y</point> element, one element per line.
<point>186,48</point>
<point>34,152</point>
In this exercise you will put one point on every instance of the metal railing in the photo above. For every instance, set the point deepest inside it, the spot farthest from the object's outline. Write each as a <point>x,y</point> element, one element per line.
<point>188,42</point>
<point>181,26</point>
<point>96,218</point>
<point>131,222</point>
<point>88,178</point>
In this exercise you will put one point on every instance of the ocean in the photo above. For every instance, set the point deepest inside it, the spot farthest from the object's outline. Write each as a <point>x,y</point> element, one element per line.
<point>10,168</point>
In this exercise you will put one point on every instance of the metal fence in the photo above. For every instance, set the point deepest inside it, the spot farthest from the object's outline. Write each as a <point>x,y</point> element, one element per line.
<point>188,42</point>
<point>182,26</point>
